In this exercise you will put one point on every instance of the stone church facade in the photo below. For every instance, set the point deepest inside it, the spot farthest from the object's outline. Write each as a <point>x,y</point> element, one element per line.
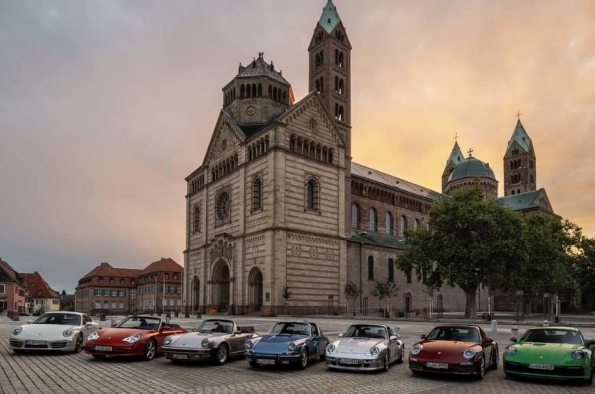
<point>277,208</point>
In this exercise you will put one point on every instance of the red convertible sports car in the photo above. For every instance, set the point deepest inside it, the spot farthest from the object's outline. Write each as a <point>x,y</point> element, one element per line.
<point>454,349</point>
<point>135,336</point>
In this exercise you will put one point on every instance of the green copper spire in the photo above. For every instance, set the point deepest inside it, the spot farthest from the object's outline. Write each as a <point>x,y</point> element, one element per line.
<point>521,137</point>
<point>330,17</point>
<point>456,156</point>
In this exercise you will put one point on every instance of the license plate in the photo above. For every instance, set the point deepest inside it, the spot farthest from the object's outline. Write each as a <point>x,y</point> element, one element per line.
<point>437,365</point>
<point>180,356</point>
<point>35,343</point>
<point>348,361</point>
<point>265,361</point>
<point>103,348</point>
<point>547,367</point>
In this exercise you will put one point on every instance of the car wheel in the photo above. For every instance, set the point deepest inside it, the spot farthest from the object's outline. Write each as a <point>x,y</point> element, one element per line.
<point>150,350</point>
<point>303,363</point>
<point>400,359</point>
<point>253,364</point>
<point>98,356</point>
<point>323,355</point>
<point>78,347</point>
<point>482,369</point>
<point>220,354</point>
<point>386,364</point>
<point>590,378</point>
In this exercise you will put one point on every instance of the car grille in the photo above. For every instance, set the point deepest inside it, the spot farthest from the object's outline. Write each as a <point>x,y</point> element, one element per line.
<point>464,369</point>
<point>414,365</point>
<point>36,346</point>
<point>58,345</point>
<point>560,371</point>
<point>16,343</point>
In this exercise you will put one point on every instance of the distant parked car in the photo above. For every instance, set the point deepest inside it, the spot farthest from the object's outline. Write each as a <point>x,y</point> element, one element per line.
<point>134,336</point>
<point>365,347</point>
<point>64,331</point>
<point>454,349</point>
<point>214,339</point>
<point>551,353</point>
<point>287,343</point>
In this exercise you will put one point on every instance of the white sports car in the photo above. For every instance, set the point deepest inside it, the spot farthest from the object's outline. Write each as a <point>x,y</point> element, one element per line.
<point>63,331</point>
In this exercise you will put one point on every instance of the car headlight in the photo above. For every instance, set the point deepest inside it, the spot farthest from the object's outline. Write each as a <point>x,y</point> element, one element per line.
<point>331,348</point>
<point>291,347</point>
<point>248,344</point>
<point>205,343</point>
<point>469,353</point>
<point>167,341</point>
<point>132,339</point>
<point>68,332</point>
<point>94,335</point>
<point>17,331</point>
<point>578,354</point>
<point>511,351</point>
<point>416,349</point>
<point>374,351</point>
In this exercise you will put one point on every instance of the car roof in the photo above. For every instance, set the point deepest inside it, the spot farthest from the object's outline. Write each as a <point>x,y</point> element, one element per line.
<point>553,328</point>
<point>457,326</point>
<point>225,320</point>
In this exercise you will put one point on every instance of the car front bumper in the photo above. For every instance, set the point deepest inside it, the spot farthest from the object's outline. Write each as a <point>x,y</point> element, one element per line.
<point>272,359</point>
<point>347,363</point>
<point>560,372</point>
<point>459,368</point>
<point>187,354</point>
<point>63,345</point>
<point>128,350</point>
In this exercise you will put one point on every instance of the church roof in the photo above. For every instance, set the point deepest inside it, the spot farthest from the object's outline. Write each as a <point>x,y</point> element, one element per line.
<point>456,156</point>
<point>371,238</point>
<point>258,67</point>
<point>521,137</point>
<point>527,201</point>
<point>471,168</point>
<point>330,17</point>
<point>394,182</point>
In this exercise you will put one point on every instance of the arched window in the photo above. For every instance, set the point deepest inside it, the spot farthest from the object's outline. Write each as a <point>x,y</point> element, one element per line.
<point>317,85</point>
<point>196,219</point>
<point>355,216</point>
<point>370,268</point>
<point>416,224</point>
<point>336,83</point>
<point>402,226</point>
<point>253,90</point>
<point>259,89</point>
<point>242,91</point>
<point>373,220</point>
<point>391,270</point>
<point>256,194</point>
<point>341,86</point>
<point>340,64</point>
<point>312,194</point>
<point>340,113</point>
<point>270,91</point>
<point>388,223</point>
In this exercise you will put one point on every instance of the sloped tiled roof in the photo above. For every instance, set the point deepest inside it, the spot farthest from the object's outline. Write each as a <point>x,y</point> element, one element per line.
<point>104,269</point>
<point>522,201</point>
<point>394,182</point>
<point>10,273</point>
<point>37,287</point>
<point>258,67</point>
<point>163,265</point>
<point>371,238</point>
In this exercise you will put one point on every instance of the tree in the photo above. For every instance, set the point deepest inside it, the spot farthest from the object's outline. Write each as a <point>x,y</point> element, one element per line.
<point>352,292</point>
<point>63,292</point>
<point>472,240</point>
<point>287,296</point>
<point>583,270</point>
<point>388,290</point>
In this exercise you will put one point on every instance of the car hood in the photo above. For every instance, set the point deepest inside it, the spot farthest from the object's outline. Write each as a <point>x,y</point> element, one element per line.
<point>358,345</point>
<point>193,339</point>
<point>442,349</point>
<point>547,353</point>
<point>115,334</point>
<point>276,343</point>
<point>38,331</point>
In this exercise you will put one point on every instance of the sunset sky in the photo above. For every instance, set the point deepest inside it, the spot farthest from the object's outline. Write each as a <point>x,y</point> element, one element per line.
<point>106,106</point>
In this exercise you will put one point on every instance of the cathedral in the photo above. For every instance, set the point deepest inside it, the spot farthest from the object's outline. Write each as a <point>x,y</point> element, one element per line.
<point>278,216</point>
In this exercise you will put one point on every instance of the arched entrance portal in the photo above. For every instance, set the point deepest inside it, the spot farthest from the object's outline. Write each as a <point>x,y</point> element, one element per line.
<point>255,289</point>
<point>221,286</point>
<point>195,302</point>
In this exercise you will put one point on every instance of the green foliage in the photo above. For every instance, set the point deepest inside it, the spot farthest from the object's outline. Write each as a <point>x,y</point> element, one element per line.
<point>286,293</point>
<point>387,289</point>
<point>351,290</point>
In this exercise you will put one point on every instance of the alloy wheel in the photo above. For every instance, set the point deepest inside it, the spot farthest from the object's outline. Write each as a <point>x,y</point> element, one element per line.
<point>222,354</point>
<point>79,344</point>
<point>386,361</point>
<point>482,369</point>
<point>150,350</point>
<point>303,359</point>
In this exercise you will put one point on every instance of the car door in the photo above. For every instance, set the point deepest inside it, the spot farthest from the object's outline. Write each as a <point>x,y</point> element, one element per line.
<point>487,347</point>
<point>317,341</point>
<point>393,345</point>
<point>87,330</point>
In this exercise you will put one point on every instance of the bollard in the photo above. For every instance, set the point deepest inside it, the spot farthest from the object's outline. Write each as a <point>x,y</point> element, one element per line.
<point>397,330</point>
<point>494,326</point>
<point>112,322</point>
<point>514,332</point>
<point>545,323</point>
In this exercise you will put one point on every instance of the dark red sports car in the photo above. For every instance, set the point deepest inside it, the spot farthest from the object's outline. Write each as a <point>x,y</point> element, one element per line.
<point>454,349</point>
<point>135,336</point>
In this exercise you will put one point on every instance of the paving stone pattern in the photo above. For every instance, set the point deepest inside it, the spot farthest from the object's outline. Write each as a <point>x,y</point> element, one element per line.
<point>79,373</point>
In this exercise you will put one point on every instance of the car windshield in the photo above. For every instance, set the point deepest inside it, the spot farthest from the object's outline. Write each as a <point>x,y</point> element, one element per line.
<point>210,326</point>
<point>553,336</point>
<point>462,334</point>
<point>141,322</point>
<point>291,329</point>
<point>66,319</point>
<point>366,331</point>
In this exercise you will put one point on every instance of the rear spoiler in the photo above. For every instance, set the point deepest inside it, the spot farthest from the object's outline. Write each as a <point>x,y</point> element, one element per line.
<point>246,329</point>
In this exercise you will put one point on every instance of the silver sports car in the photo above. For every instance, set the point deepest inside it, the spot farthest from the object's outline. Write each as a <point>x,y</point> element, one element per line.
<point>63,331</point>
<point>214,339</point>
<point>365,347</point>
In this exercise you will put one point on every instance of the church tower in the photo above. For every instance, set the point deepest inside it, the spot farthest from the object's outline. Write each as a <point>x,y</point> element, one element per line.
<point>456,157</point>
<point>330,75</point>
<point>520,164</point>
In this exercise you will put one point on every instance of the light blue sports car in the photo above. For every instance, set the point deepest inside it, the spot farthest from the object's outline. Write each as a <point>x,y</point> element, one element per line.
<point>287,343</point>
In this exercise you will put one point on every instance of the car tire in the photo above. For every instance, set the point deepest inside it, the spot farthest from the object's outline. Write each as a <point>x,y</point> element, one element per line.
<point>220,354</point>
<point>386,364</point>
<point>253,364</point>
<point>99,356</point>
<point>400,359</point>
<point>482,369</point>
<point>78,346</point>
<point>304,358</point>
<point>150,350</point>
<point>323,355</point>
<point>590,379</point>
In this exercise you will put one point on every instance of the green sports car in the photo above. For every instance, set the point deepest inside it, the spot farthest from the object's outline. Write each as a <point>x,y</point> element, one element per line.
<point>552,353</point>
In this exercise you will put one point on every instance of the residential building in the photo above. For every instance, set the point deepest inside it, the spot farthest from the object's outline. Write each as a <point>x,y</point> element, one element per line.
<point>12,289</point>
<point>159,287</point>
<point>42,298</point>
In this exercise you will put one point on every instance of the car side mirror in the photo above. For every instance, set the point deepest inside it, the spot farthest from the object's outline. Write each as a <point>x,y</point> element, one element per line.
<point>487,340</point>
<point>88,324</point>
<point>423,336</point>
<point>513,339</point>
<point>394,337</point>
<point>341,335</point>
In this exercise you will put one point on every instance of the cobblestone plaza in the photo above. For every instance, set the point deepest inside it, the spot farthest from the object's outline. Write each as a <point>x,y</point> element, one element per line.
<point>80,373</point>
